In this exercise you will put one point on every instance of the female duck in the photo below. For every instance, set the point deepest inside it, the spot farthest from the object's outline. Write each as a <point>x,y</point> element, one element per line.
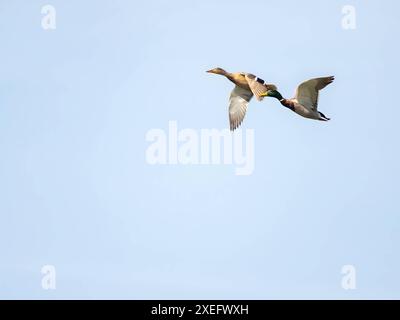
<point>247,85</point>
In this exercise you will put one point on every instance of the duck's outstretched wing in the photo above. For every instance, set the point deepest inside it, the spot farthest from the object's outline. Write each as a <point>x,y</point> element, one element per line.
<point>258,85</point>
<point>307,92</point>
<point>238,103</point>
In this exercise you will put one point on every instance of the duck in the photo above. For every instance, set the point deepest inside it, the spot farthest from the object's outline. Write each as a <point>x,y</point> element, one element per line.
<point>305,101</point>
<point>247,85</point>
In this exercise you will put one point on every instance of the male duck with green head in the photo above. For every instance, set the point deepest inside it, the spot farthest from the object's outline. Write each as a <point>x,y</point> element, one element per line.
<point>305,101</point>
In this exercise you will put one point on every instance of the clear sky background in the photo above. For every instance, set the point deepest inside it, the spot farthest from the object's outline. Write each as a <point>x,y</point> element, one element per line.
<point>77,192</point>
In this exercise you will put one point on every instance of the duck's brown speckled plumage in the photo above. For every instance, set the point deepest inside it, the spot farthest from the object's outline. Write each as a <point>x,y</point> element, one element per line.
<point>239,79</point>
<point>247,85</point>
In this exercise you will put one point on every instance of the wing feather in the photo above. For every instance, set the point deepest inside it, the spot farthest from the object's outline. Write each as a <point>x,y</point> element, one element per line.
<point>258,85</point>
<point>308,91</point>
<point>238,103</point>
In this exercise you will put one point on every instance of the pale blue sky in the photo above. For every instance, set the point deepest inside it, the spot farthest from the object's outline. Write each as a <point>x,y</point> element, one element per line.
<point>77,193</point>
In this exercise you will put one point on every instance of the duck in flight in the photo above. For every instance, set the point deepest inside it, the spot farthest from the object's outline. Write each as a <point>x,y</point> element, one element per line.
<point>305,101</point>
<point>246,85</point>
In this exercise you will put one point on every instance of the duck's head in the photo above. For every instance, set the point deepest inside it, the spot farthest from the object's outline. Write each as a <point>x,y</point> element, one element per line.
<point>217,71</point>
<point>272,93</point>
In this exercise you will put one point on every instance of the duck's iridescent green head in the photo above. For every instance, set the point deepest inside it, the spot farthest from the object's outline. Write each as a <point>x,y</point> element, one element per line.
<point>273,94</point>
